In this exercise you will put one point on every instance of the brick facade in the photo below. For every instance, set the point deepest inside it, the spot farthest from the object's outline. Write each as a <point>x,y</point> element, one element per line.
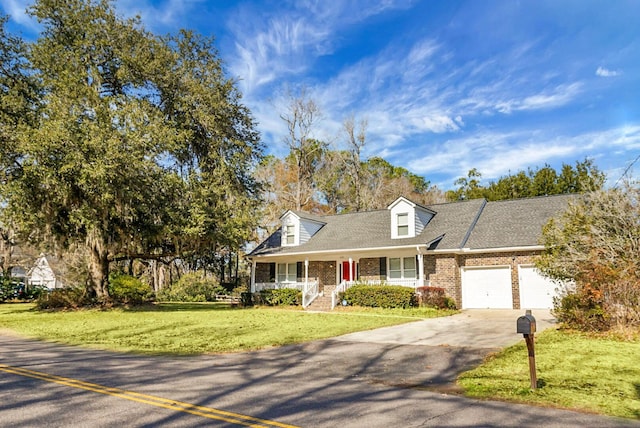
<point>441,270</point>
<point>370,269</point>
<point>512,259</point>
<point>325,272</point>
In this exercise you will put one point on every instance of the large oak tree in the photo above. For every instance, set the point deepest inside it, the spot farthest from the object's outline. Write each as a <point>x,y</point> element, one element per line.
<point>140,146</point>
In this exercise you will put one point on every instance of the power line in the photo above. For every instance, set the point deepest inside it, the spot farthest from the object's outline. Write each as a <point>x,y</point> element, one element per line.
<point>625,171</point>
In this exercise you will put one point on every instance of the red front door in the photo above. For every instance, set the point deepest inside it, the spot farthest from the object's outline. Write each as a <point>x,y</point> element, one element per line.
<point>348,274</point>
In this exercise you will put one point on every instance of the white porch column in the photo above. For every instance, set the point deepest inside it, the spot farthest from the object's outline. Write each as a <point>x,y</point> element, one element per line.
<point>351,275</point>
<point>420,269</point>
<point>253,276</point>
<point>306,272</point>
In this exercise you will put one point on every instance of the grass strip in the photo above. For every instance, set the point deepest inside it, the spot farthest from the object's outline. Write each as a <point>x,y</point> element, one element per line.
<point>188,328</point>
<point>574,371</point>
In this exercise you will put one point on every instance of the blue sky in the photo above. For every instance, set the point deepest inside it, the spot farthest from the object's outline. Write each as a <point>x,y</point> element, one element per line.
<point>445,86</point>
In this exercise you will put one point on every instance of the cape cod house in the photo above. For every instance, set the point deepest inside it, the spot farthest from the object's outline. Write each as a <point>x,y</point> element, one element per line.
<point>480,252</point>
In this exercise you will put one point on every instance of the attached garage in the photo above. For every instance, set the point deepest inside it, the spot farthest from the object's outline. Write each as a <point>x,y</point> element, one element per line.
<point>536,291</point>
<point>487,287</point>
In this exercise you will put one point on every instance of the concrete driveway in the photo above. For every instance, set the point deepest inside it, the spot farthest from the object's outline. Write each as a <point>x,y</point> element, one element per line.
<point>473,328</point>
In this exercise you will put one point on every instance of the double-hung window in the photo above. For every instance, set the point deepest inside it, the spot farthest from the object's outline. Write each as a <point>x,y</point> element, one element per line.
<point>290,234</point>
<point>403,224</point>
<point>402,268</point>
<point>287,272</point>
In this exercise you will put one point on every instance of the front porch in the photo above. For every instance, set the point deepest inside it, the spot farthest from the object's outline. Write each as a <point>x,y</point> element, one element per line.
<point>329,277</point>
<point>329,294</point>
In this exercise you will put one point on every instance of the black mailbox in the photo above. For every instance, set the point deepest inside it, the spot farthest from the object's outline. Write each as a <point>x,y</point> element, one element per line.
<point>526,324</point>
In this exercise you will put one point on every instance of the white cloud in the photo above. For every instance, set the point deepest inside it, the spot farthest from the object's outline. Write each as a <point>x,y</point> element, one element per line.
<point>496,154</point>
<point>603,72</point>
<point>17,9</point>
<point>436,123</point>
<point>558,96</point>
<point>283,43</point>
<point>422,51</point>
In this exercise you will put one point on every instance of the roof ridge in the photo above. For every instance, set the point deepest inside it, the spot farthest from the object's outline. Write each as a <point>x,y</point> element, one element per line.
<point>473,223</point>
<point>527,198</point>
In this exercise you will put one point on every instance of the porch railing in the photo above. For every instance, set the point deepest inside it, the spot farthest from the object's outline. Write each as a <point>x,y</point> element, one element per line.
<point>340,288</point>
<point>310,289</point>
<point>309,293</point>
<point>278,285</point>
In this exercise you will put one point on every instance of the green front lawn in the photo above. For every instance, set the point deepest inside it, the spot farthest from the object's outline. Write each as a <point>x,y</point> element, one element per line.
<point>192,328</point>
<point>574,371</point>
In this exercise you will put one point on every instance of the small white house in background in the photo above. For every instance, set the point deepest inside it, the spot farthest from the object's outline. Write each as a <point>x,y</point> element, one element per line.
<point>43,274</point>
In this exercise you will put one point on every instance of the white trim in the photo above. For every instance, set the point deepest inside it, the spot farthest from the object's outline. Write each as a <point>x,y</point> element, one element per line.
<point>341,251</point>
<point>402,268</point>
<point>401,199</point>
<point>488,250</point>
<point>406,247</point>
<point>420,269</point>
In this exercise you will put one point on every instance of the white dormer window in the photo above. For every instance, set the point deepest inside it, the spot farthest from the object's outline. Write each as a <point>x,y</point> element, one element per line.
<point>403,224</point>
<point>290,234</point>
<point>298,229</point>
<point>290,229</point>
<point>408,220</point>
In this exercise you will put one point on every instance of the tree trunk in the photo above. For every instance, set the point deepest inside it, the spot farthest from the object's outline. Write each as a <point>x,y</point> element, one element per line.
<point>98,266</point>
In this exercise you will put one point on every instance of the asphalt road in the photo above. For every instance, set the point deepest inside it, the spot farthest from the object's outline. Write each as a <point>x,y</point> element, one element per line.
<point>339,382</point>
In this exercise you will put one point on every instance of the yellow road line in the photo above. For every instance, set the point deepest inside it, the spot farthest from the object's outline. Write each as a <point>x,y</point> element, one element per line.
<point>206,412</point>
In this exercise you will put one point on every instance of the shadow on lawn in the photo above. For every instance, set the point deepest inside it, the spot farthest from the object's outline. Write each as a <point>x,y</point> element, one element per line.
<point>182,307</point>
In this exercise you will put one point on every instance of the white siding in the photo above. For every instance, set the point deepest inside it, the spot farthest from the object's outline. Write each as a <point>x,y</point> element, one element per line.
<point>42,274</point>
<point>290,219</point>
<point>307,230</point>
<point>422,218</point>
<point>403,207</point>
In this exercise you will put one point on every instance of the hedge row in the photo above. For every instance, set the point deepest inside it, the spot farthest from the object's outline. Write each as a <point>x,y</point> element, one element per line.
<point>380,296</point>
<point>279,297</point>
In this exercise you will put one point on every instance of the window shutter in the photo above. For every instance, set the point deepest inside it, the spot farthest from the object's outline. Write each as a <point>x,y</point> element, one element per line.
<point>299,270</point>
<point>383,266</point>
<point>272,270</point>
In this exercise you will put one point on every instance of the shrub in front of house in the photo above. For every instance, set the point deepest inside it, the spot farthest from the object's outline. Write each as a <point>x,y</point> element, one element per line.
<point>129,290</point>
<point>281,297</point>
<point>582,310</point>
<point>64,298</point>
<point>380,296</point>
<point>434,297</point>
<point>192,287</point>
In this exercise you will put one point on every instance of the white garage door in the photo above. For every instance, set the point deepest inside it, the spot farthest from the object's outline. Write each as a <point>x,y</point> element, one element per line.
<point>536,291</point>
<point>487,287</point>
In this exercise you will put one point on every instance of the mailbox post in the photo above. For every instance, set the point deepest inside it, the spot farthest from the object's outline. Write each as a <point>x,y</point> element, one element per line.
<point>526,325</point>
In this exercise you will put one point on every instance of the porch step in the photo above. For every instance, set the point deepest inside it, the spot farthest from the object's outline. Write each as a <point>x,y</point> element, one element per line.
<point>321,303</point>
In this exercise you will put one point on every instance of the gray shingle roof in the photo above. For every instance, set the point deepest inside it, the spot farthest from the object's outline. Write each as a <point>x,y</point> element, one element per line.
<point>471,224</point>
<point>516,222</point>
